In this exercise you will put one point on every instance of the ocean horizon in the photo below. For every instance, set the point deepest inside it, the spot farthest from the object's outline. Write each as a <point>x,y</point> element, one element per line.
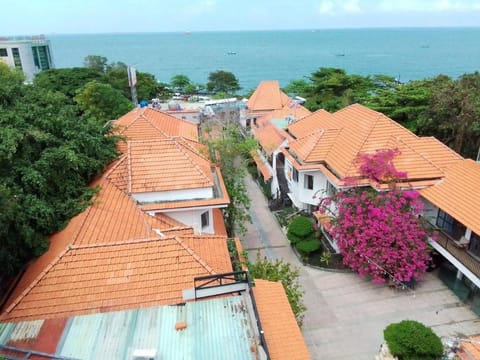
<point>283,55</point>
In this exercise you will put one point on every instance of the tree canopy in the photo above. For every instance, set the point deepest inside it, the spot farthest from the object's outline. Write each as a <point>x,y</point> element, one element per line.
<point>48,156</point>
<point>102,102</point>
<point>179,82</point>
<point>231,150</point>
<point>222,81</point>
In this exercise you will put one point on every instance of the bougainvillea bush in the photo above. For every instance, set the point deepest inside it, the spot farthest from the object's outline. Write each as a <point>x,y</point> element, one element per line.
<point>379,233</point>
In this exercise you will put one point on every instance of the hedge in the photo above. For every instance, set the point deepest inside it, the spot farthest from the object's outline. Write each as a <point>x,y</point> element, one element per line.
<point>411,340</point>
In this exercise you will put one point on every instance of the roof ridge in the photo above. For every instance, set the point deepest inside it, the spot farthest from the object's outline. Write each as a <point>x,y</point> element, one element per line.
<point>185,143</point>
<point>114,166</point>
<point>195,255</point>
<point>129,168</point>
<point>375,119</point>
<point>154,125</point>
<point>399,139</point>
<point>37,280</point>
<point>119,243</point>
<point>181,148</point>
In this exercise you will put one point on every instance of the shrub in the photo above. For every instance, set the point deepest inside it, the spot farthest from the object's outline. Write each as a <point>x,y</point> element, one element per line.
<point>411,340</point>
<point>308,246</point>
<point>301,228</point>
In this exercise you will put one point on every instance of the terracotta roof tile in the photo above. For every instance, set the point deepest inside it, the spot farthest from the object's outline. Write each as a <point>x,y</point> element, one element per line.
<point>112,217</point>
<point>320,119</point>
<point>339,138</point>
<point>457,194</point>
<point>434,150</point>
<point>269,137</point>
<point>283,336</point>
<point>219,222</point>
<point>220,199</point>
<point>264,169</point>
<point>470,349</point>
<point>162,165</point>
<point>106,277</point>
<point>147,123</point>
<point>267,96</point>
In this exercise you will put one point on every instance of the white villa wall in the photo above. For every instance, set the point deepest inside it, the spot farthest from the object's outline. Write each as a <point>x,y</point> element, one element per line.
<point>174,195</point>
<point>301,196</point>
<point>193,217</point>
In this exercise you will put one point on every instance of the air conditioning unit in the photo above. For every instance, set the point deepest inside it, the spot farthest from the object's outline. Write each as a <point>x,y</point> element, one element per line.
<point>144,354</point>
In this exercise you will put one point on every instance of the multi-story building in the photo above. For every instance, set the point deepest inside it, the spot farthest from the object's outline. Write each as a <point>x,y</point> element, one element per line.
<point>30,54</point>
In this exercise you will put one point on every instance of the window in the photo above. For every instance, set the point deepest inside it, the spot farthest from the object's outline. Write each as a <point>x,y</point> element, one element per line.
<point>449,225</point>
<point>41,57</point>
<point>445,221</point>
<point>295,175</point>
<point>205,219</point>
<point>474,244</point>
<point>3,52</point>
<point>16,58</point>
<point>331,190</point>
<point>308,182</point>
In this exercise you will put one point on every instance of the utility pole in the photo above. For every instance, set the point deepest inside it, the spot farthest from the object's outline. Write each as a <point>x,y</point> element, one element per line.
<point>132,82</point>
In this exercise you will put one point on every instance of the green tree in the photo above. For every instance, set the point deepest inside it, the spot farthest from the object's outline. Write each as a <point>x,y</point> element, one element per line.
<point>453,114</point>
<point>68,80</point>
<point>96,62</point>
<point>117,76</point>
<point>287,275</point>
<point>411,340</point>
<point>222,81</point>
<point>332,89</point>
<point>179,82</point>
<point>47,158</point>
<point>299,87</point>
<point>102,102</point>
<point>404,103</point>
<point>232,150</point>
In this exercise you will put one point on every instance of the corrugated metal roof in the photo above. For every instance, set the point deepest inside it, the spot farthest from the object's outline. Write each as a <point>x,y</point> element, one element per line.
<point>216,329</point>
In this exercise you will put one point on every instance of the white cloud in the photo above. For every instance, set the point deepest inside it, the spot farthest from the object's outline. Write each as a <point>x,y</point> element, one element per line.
<point>426,5</point>
<point>200,7</point>
<point>335,7</point>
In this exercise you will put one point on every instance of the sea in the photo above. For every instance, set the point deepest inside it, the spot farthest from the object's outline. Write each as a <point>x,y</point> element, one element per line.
<point>252,56</point>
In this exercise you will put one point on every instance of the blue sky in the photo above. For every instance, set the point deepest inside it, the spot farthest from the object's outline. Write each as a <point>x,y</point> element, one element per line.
<point>98,16</point>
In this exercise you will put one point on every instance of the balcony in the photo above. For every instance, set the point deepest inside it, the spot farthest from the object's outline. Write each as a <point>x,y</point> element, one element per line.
<point>459,252</point>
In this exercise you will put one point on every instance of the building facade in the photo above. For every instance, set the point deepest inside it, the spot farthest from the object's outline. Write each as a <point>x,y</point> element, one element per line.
<point>30,54</point>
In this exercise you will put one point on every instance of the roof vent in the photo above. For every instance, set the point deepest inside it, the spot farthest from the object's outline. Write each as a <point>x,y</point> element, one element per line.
<point>144,354</point>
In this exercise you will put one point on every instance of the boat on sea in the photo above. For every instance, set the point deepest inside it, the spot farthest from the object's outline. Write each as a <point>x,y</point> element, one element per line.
<point>231,53</point>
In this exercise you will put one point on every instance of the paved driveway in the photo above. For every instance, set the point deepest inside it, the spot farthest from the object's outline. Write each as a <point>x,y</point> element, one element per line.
<point>346,315</point>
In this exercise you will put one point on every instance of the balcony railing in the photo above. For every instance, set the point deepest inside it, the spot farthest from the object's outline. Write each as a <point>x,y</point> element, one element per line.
<point>459,252</point>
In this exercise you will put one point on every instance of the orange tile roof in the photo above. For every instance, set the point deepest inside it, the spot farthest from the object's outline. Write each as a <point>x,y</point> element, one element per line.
<point>267,96</point>
<point>282,334</point>
<point>82,270</point>
<point>341,137</point>
<point>264,170</point>
<point>434,150</point>
<point>112,217</point>
<point>269,137</point>
<point>147,123</point>
<point>311,122</point>
<point>161,165</point>
<point>458,193</point>
<point>168,226</point>
<point>116,276</point>
<point>221,199</point>
<point>219,222</point>
<point>469,349</point>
